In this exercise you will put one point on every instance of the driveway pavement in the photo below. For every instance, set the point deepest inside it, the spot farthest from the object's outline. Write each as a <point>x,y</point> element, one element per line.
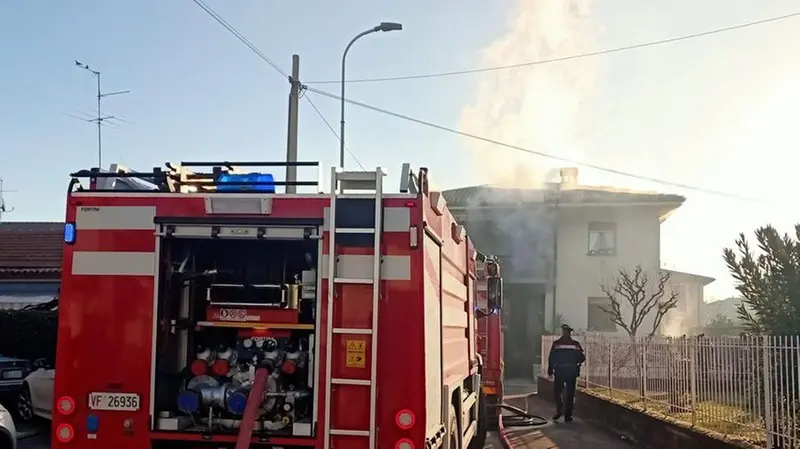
<point>574,435</point>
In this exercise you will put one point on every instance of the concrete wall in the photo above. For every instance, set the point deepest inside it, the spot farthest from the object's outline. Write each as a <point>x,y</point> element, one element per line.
<point>579,275</point>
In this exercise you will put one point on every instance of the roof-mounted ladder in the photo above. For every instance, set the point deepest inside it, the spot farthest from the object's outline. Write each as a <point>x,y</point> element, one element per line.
<point>342,181</point>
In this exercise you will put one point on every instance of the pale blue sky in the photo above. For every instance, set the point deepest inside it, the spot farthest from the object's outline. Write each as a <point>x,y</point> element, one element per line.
<point>714,112</point>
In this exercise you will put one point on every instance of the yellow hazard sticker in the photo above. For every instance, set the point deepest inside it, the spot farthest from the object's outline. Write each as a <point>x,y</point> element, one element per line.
<point>356,354</point>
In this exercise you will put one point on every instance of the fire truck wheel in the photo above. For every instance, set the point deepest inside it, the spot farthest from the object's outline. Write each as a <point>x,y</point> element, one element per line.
<point>479,440</point>
<point>453,437</point>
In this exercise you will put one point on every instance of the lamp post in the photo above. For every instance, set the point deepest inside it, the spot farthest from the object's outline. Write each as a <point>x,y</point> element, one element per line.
<point>384,26</point>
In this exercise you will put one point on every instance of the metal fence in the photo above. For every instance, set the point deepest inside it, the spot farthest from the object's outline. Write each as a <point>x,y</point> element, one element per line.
<point>741,388</point>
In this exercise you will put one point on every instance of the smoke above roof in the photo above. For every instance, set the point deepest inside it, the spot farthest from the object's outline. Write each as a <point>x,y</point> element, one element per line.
<point>536,107</point>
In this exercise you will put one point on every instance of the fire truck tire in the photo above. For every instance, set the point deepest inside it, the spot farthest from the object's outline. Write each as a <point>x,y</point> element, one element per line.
<point>454,430</point>
<point>479,440</point>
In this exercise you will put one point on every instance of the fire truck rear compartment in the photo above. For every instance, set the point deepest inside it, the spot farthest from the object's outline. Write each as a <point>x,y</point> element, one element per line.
<point>225,308</point>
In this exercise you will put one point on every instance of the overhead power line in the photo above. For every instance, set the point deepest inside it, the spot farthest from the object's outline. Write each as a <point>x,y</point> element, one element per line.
<point>333,131</point>
<point>533,152</point>
<point>231,29</point>
<point>486,139</point>
<point>562,58</point>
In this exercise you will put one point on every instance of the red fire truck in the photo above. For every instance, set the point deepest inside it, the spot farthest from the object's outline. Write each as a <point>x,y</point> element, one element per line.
<point>490,341</point>
<point>203,309</point>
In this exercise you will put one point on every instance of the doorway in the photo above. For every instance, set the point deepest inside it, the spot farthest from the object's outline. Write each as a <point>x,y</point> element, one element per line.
<point>523,324</point>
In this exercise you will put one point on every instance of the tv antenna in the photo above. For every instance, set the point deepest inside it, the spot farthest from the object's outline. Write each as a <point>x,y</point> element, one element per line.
<point>100,119</point>
<point>3,208</point>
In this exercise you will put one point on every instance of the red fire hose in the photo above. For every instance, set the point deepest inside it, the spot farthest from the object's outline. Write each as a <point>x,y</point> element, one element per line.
<point>251,409</point>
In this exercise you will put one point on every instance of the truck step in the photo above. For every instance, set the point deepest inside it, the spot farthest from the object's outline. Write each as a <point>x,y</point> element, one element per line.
<point>356,281</point>
<point>351,331</point>
<point>355,230</point>
<point>352,433</point>
<point>341,381</point>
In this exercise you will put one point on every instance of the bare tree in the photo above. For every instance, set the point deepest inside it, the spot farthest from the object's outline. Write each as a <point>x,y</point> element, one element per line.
<point>644,297</point>
<point>634,289</point>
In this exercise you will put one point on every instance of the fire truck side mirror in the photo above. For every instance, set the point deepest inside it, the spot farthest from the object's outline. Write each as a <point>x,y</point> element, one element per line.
<point>494,286</point>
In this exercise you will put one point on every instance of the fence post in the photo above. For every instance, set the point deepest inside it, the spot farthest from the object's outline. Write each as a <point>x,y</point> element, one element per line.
<point>693,378</point>
<point>610,369</point>
<point>768,423</point>
<point>644,373</point>
<point>586,366</point>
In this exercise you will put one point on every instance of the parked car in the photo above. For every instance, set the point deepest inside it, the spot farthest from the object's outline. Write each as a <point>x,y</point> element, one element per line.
<point>12,374</point>
<point>36,394</point>
<point>8,433</point>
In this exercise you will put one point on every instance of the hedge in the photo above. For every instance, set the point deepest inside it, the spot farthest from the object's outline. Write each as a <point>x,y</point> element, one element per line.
<point>28,334</point>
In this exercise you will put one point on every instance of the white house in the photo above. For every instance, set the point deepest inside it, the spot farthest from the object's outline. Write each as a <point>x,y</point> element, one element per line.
<point>558,245</point>
<point>689,314</point>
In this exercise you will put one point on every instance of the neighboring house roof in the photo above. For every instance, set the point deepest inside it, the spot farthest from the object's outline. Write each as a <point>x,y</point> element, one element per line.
<point>31,246</point>
<point>704,280</point>
<point>497,196</point>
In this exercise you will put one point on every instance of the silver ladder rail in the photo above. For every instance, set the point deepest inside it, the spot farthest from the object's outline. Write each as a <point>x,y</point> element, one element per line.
<point>342,181</point>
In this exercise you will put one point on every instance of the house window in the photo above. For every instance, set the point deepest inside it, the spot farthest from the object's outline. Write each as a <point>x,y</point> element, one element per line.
<point>598,320</point>
<point>602,239</point>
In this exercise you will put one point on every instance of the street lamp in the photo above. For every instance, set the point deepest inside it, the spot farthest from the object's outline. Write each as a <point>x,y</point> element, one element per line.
<point>384,26</point>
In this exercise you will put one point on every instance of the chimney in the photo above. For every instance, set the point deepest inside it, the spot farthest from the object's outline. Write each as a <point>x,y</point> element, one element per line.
<point>569,177</point>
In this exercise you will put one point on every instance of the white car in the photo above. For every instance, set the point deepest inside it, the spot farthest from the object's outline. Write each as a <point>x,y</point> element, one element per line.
<point>36,397</point>
<point>8,433</point>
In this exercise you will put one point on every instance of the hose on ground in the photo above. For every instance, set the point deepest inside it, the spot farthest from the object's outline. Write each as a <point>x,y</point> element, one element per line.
<point>516,417</point>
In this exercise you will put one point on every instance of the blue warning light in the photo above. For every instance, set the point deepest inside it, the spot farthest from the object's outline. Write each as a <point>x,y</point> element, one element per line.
<point>69,233</point>
<point>265,182</point>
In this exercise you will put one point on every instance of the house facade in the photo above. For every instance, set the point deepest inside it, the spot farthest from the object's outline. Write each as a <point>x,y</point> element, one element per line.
<point>30,262</point>
<point>689,314</point>
<point>557,246</point>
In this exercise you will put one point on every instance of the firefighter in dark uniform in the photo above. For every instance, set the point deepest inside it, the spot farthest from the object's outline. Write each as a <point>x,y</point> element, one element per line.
<point>564,363</point>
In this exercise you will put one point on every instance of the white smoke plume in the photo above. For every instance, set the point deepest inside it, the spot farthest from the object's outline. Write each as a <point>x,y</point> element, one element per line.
<point>537,107</point>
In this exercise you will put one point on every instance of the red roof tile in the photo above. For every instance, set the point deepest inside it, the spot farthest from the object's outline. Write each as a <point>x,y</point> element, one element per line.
<point>31,245</point>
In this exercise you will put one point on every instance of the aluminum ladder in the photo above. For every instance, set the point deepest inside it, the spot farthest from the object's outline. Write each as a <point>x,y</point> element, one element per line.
<point>342,181</point>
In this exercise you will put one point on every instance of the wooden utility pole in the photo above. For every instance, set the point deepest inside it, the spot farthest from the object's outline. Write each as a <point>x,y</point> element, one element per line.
<point>291,144</point>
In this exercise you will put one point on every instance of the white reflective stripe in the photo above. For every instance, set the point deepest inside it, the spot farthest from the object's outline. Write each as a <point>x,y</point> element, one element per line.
<point>393,268</point>
<point>395,219</point>
<point>112,263</point>
<point>115,217</point>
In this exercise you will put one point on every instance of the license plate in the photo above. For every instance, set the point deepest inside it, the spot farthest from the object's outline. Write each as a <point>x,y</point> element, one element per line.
<point>117,402</point>
<point>16,374</point>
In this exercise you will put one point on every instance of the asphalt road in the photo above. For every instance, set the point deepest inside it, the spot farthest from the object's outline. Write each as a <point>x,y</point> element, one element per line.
<point>492,442</point>
<point>33,437</point>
